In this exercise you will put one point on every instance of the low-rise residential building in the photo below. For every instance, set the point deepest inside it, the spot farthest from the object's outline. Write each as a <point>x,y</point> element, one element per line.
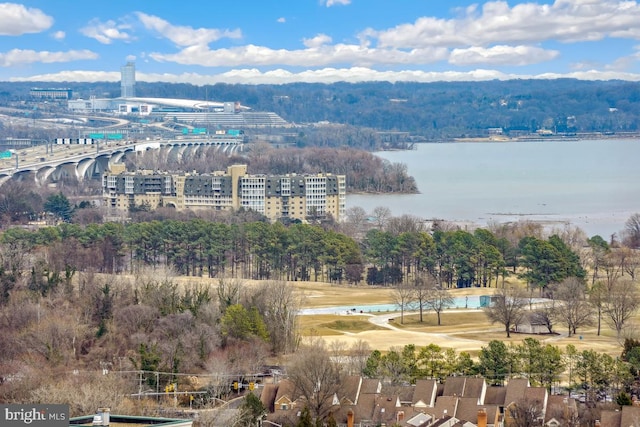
<point>460,401</point>
<point>293,196</point>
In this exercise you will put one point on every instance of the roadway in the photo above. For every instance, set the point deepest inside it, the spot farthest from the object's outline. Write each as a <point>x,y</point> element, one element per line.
<point>41,157</point>
<point>52,155</point>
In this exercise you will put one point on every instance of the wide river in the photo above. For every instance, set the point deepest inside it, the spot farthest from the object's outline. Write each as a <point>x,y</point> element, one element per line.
<point>591,184</point>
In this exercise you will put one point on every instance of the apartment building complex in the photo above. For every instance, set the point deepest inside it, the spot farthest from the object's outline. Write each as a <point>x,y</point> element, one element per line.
<point>291,196</point>
<point>51,93</point>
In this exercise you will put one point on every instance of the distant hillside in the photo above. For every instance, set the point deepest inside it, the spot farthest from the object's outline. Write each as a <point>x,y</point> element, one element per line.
<point>432,110</point>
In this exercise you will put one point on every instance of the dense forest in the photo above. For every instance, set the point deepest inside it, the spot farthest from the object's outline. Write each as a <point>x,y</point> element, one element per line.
<point>260,250</point>
<point>106,295</point>
<point>435,111</point>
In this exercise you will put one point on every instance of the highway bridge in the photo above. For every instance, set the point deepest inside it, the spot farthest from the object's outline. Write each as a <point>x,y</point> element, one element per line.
<point>46,162</point>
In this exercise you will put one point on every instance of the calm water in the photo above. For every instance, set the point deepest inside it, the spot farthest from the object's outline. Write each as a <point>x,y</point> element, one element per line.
<point>592,184</point>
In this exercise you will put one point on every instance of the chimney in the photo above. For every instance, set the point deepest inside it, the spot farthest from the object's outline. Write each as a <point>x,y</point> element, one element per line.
<point>350,416</point>
<point>482,417</point>
<point>400,416</point>
<point>597,423</point>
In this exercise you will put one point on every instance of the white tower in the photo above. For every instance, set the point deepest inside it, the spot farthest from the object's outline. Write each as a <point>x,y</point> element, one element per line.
<point>128,80</point>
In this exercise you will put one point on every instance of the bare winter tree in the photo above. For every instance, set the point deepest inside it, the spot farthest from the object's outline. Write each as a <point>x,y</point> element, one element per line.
<point>544,316</point>
<point>438,300</point>
<point>359,353</point>
<point>621,303</point>
<point>381,215</point>
<point>279,304</point>
<point>247,357</point>
<point>629,261</point>
<point>85,392</point>
<point>229,292</point>
<point>14,258</point>
<point>355,224</point>
<point>404,296</point>
<point>525,413</point>
<point>572,236</point>
<point>507,307</point>
<point>316,376</point>
<point>597,295</point>
<point>219,368</point>
<point>612,265</point>
<point>405,224</point>
<point>632,231</point>
<point>572,307</point>
<point>337,349</point>
<point>423,283</point>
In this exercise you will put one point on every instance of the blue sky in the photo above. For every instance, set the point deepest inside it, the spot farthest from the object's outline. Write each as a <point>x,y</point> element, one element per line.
<point>283,41</point>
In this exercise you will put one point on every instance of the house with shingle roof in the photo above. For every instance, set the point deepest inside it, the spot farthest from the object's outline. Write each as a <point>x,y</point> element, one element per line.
<point>560,410</point>
<point>268,396</point>
<point>445,405</point>
<point>629,416</point>
<point>424,394</point>
<point>515,390</point>
<point>454,386</point>
<point>350,390</point>
<point>495,395</point>
<point>465,402</point>
<point>475,387</point>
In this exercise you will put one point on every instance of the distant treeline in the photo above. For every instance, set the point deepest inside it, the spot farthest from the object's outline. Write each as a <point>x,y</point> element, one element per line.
<point>437,110</point>
<point>364,171</point>
<point>259,250</point>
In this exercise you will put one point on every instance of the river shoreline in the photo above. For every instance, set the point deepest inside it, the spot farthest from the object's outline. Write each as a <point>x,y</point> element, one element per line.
<point>591,184</point>
<point>550,138</point>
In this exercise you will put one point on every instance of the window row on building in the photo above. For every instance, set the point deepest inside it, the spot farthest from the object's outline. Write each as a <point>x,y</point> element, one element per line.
<point>51,93</point>
<point>275,196</point>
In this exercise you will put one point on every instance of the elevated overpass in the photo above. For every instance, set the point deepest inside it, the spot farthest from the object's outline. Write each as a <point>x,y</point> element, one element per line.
<point>52,161</point>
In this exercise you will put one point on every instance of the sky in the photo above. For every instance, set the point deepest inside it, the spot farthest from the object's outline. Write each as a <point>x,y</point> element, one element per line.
<point>284,41</point>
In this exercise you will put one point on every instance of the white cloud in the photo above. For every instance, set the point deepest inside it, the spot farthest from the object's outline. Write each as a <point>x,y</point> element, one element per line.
<point>625,62</point>
<point>59,35</point>
<point>525,23</point>
<point>474,38</point>
<point>15,20</point>
<point>501,55</point>
<point>311,57</point>
<point>18,56</point>
<point>73,76</point>
<point>325,75</point>
<point>330,3</point>
<point>317,41</point>
<point>107,32</point>
<point>130,58</point>
<point>282,20</point>
<point>184,35</point>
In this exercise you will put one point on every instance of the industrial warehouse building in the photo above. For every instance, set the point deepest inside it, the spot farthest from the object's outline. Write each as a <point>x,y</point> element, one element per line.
<point>290,196</point>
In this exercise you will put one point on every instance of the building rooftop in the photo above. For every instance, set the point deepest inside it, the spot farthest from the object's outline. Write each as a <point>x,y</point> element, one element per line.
<point>183,103</point>
<point>132,421</point>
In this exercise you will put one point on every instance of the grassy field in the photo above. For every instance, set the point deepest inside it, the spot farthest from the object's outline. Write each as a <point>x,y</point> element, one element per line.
<point>466,330</point>
<point>331,325</point>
